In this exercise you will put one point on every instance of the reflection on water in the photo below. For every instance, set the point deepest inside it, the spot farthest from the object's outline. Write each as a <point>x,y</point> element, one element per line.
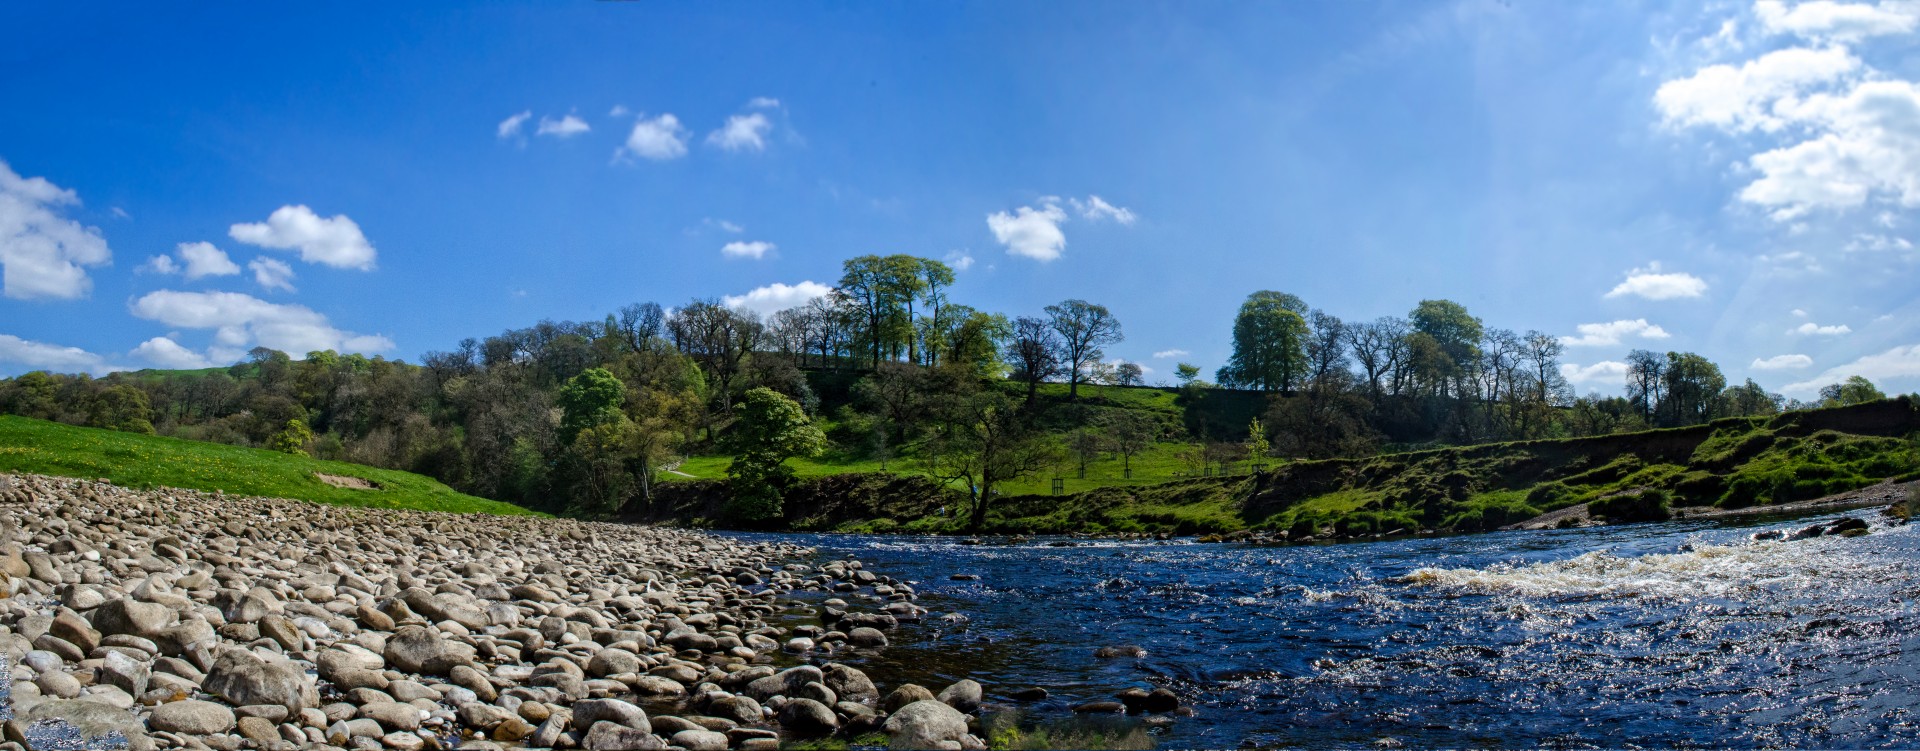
<point>1674,635</point>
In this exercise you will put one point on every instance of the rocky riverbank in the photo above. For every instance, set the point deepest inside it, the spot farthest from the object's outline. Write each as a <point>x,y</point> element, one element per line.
<point>179,619</point>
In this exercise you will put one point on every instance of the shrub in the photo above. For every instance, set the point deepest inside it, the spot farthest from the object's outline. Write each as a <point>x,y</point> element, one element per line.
<point>1643,505</point>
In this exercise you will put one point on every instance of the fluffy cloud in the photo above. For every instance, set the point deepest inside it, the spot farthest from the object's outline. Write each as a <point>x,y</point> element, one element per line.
<point>1603,373</point>
<point>203,260</point>
<point>1827,20</point>
<point>754,250</point>
<point>565,127</point>
<point>1849,132</point>
<point>1742,98</point>
<point>776,297</point>
<point>43,356</point>
<point>334,241</point>
<point>510,127</point>
<point>1813,329</point>
<point>1897,363</point>
<point>1652,284</point>
<point>1034,231</point>
<point>1873,243</point>
<point>659,139</point>
<point>1096,208</point>
<point>960,260</point>
<point>42,253</point>
<point>160,265</point>
<point>764,103</point>
<point>272,273</point>
<point>167,353</point>
<point>742,133</point>
<point>1782,362</point>
<point>240,320</point>
<point>1609,334</point>
<point>1167,353</point>
<point>1030,232</point>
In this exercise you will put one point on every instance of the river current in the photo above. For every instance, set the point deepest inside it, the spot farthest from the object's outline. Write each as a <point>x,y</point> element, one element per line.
<point>1683,634</point>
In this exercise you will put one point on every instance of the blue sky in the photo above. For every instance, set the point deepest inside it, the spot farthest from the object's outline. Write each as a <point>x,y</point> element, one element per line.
<point>1735,179</point>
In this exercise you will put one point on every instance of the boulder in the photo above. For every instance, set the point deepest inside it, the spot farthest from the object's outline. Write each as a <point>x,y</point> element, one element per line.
<point>926,724</point>
<point>416,649</point>
<point>963,695</point>
<point>806,718</point>
<point>241,678</point>
<point>191,718</point>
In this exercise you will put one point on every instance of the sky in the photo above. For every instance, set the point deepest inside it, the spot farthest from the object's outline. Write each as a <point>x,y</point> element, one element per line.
<point>180,184</point>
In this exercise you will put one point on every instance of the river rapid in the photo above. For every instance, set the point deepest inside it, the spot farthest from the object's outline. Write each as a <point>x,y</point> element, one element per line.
<point>1683,634</point>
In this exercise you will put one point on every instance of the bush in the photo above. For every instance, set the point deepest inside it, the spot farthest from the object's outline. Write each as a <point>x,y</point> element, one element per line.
<point>1643,505</point>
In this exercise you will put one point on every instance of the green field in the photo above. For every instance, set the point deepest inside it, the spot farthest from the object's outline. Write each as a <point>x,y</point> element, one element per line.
<point>133,460</point>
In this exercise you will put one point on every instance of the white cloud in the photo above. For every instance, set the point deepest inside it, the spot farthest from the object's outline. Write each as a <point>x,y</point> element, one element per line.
<point>619,110</point>
<point>960,260</point>
<point>763,103</point>
<point>1866,140</point>
<point>272,273</point>
<point>1741,99</point>
<point>754,250</point>
<point>1030,232</point>
<point>204,260</point>
<point>565,127</point>
<point>1651,284</point>
<point>43,356</point>
<point>776,297</point>
<point>1603,373</point>
<point>239,320</point>
<point>1798,313</point>
<point>1827,20</point>
<point>1609,334</point>
<point>742,133</point>
<point>1899,362</point>
<point>658,139</point>
<point>1096,208</point>
<point>334,241</point>
<point>724,225</point>
<point>44,254</point>
<point>510,127</point>
<point>1813,329</point>
<point>1878,244</point>
<point>160,265</point>
<point>1782,362</point>
<point>167,353</point>
<point>1167,353</point>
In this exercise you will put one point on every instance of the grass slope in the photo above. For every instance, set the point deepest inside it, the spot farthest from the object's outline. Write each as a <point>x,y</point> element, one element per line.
<point>1728,463</point>
<point>132,460</point>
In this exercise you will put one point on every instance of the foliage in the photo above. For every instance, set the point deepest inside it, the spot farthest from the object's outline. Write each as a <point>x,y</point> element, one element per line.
<point>1854,390</point>
<point>1638,505</point>
<point>770,429</point>
<point>1269,343</point>
<point>293,439</point>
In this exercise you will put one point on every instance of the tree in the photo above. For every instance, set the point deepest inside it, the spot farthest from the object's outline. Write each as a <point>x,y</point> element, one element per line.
<point>1269,343</point>
<point>121,407</point>
<point>1129,433</point>
<point>1693,385</point>
<point>1854,390</point>
<point>934,278</point>
<point>720,339</point>
<point>1454,336</point>
<point>638,325</point>
<point>1257,446</point>
<point>1646,382</point>
<point>1034,352</point>
<point>590,399</point>
<point>882,289</point>
<point>986,440</point>
<point>1186,373</point>
<point>1128,374</point>
<point>1750,400</point>
<point>1372,345</point>
<point>292,439</point>
<point>1326,352</point>
<point>1086,445</point>
<point>1085,331</point>
<point>770,430</point>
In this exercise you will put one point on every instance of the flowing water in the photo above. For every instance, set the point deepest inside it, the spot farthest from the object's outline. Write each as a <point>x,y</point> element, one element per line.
<point>1665,635</point>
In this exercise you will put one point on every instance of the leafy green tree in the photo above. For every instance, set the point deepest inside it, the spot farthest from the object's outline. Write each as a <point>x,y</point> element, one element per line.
<point>1034,352</point>
<point>1186,373</point>
<point>1257,445</point>
<point>1085,331</point>
<point>1086,444</point>
<point>32,394</point>
<point>292,439</point>
<point>882,289</point>
<point>1750,400</point>
<point>597,463</point>
<point>1854,390</point>
<point>588,400</point>
<point>121,407</point>
<point>1693,386</point>
<point>770,430</point>
<point>1269,343</point>
<point>1128,433</point>
<point>987,440</point>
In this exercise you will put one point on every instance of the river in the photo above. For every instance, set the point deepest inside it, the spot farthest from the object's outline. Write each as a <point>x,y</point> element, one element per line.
<point>1683,634</point>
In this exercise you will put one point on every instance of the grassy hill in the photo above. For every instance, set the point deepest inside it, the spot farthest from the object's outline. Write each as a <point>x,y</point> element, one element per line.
<point>1728,463</point>
<point>132,460</point>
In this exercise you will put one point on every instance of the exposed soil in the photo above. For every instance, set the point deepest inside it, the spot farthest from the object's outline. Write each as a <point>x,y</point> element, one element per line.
<point>343,481</point>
